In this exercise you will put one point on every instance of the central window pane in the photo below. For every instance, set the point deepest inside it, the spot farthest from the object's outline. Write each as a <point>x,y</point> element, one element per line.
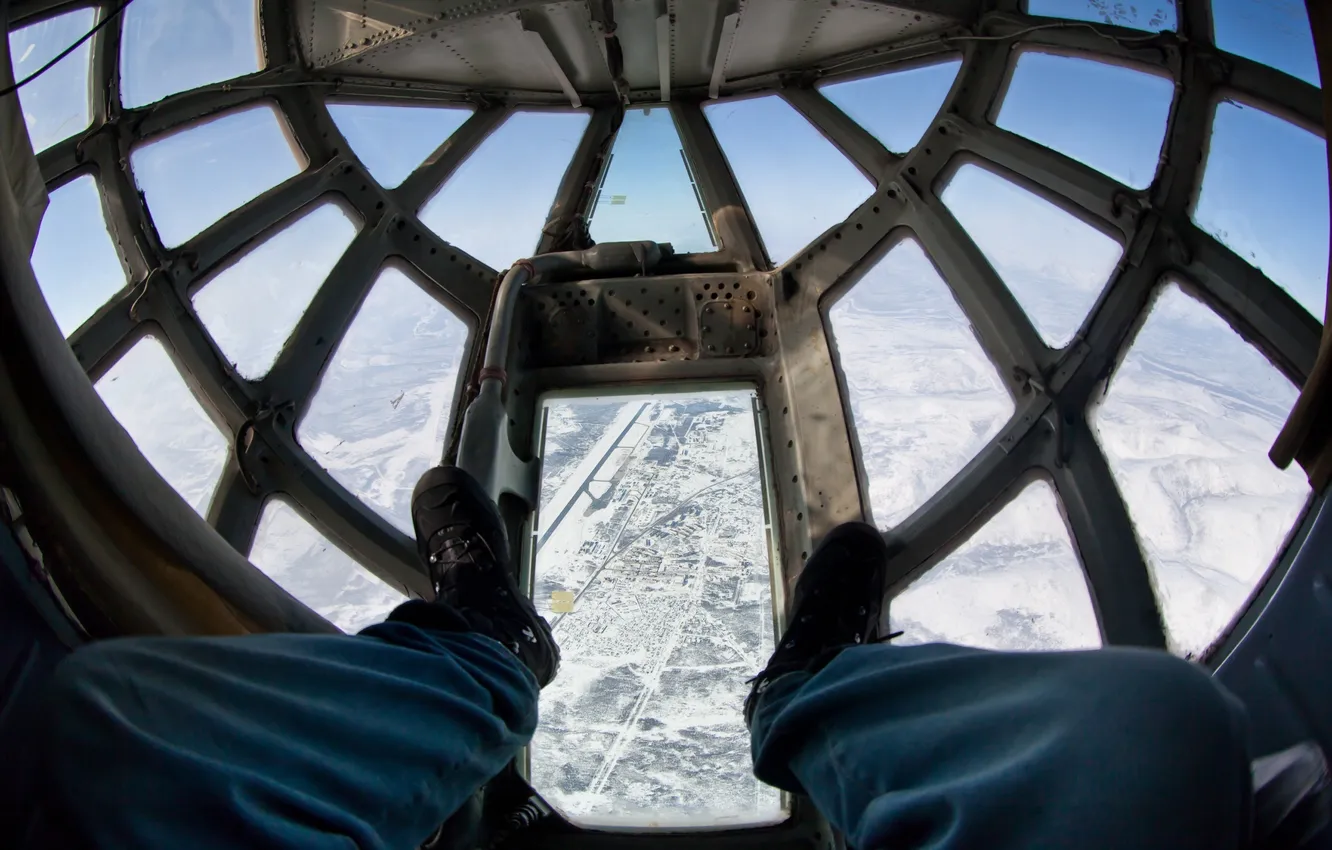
<point>654,566</point>
<point>648,191</point>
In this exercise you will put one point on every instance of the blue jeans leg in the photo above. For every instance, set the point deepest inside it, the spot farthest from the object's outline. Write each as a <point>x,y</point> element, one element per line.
<point>947,747</point>
<point>280,740</point>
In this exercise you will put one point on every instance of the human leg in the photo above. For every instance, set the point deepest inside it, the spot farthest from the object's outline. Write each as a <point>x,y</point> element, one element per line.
<point>305,740</point>
<point>944,746</point>
<point>280,740</point>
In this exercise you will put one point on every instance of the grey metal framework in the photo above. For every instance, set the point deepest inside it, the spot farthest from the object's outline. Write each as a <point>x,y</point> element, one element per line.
<point>819,479</point>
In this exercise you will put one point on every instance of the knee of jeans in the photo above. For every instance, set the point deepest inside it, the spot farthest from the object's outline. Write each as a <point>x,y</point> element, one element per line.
<point>1174,703</point>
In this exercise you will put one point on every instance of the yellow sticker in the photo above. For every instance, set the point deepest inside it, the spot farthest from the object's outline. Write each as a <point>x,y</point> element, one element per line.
<point>561,601</point>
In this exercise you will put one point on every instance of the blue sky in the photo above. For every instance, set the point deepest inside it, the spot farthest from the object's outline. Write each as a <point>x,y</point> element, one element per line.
<point>1111,117</point>
<point>170,46</point>
<point>415,134</point>
<point>495,205</point>
<point>198,174</point>
<point>647,193</point>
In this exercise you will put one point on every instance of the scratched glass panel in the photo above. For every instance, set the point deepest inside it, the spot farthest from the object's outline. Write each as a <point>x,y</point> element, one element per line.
<point>170,47</point>
<point>75,260</point>
<point>253,305</point>
<point>310,567</point>
<point>795,182</point>
<point>55,105</point>
<point>381,412</point>
<point>896,107</point>
<point>391,140</point>
<point>924,397</point>
<point>1109,117</point>
<point>193,177</point>
<point>145,391</point>
<point>649,192</point>
<point>495,205</point>
<point>1186,425</point>
<point>1015,584</point>
<point>652,565</point>
<point>1054,264</point>
<point>1273,32</point>
<point>1152,15</point>
<point>1263,195</point>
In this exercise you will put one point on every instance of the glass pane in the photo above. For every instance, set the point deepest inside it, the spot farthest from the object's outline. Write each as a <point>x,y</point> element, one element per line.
<point>1109,117</point>
<point>294,554</point>
<point>649,192</point>
<point>924,397</point>
<point>1273,32</point>
<point>146,392</point>
<point>1152,15</point>
<point>1264,194</point>
<point>652,566</point>
<point>193,177</point>
<point>1055,264</point>
<point>796,184</point>
<point>1186,425</point>
<point>896,107</point>
<point>169,46</point>
<point>75,260</point>
<point>495,205</point>
<point>1016,584</point>
<point>381,412</point>
<point>55,105</point>
<point>392,140</point>
<point>251,307</point>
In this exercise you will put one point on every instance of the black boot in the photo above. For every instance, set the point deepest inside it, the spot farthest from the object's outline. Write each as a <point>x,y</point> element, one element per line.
<point>461,538</point>
<point>836,604</point>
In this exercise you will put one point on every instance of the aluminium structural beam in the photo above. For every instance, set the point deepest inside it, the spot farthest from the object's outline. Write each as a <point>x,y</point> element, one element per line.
<point>731,221</point>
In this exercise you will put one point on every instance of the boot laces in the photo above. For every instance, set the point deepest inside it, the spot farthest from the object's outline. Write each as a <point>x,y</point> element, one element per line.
<point>459,543</point>
<point>835,624</point>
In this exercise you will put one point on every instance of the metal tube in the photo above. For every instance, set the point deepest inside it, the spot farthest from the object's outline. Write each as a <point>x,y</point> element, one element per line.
<point>501,323</point>
<point>609,259</point>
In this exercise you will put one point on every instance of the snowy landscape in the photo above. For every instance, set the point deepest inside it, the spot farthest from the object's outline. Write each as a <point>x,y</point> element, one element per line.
<point>1186,425</point>
<point>652,529</point>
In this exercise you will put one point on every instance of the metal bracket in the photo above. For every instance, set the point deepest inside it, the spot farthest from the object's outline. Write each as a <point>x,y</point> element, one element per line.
<point>727,329</point>
<point>537,42</point>
<point>1024,420</point>
<point>1073,358</point>
<point>724,42</point>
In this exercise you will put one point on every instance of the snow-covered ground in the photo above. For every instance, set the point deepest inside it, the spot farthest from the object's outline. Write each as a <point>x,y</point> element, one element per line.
<point>378,419</point>
<point>1016,584</point>
<point>294,554</point>
<point>661,538</point>
<point>1186,425</point>
<point>924,397</point>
